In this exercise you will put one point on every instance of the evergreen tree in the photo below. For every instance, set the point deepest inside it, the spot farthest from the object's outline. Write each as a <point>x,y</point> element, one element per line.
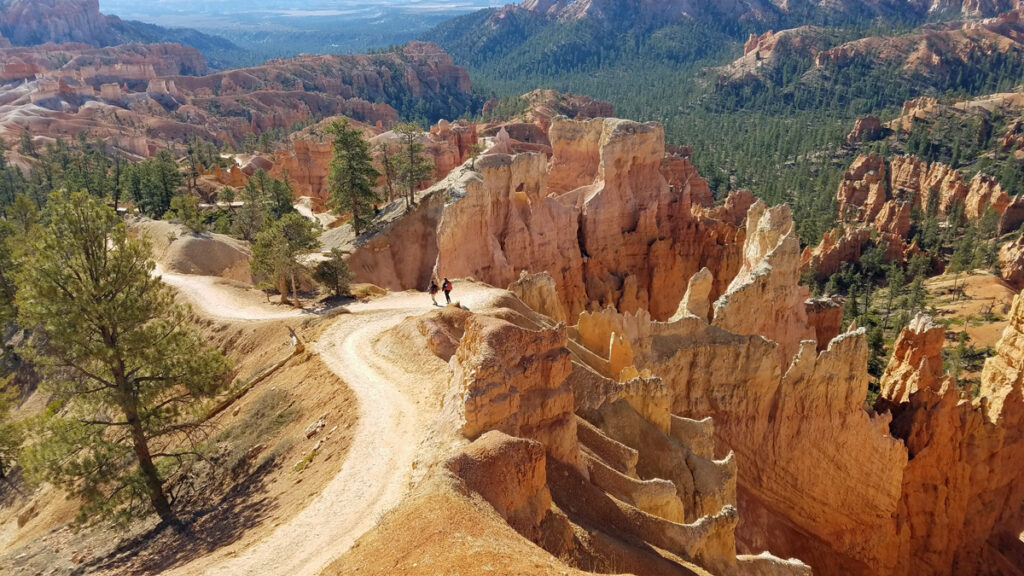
<point>389,169</point>
<point>155,182</point>
<point>185,209</point>
<point>334,273</point>
<point>7,273</point>
<point>896,281</point>
<point>413,165</point>
<point>352,176</point>
<point>253,215</point>
<point>124,367</point>
<point>27,146</point>
<point>12,433</point>
<point>276,252</point>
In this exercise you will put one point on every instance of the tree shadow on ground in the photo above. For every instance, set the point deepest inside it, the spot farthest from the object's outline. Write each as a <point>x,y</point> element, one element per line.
<point>206,528</point>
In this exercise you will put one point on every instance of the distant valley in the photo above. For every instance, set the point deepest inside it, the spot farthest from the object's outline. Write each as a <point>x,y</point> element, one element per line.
<point>275,29</point>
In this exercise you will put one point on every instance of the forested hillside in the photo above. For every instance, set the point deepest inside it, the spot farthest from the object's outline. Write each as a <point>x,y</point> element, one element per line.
<point>777,128</point>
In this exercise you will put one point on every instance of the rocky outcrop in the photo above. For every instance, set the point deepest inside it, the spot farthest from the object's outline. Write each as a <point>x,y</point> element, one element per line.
<point>401,253</point>
<point>831,253</point>
<point>178,250</point>
<point>768,282</point>
<point>762,53</point>
<point>774,419</point>
<point>696,300</point>
<point>1011,262</point>
<point>916,361</point>
<point>932,51</point>
<point>643,474</point>
<point>512,380</point>
<point>514,227</point>
<point>540,293</point>
<point>866,129</point>
<point>881,196</point>
<point>826,316</point>
<point>600,218</point>
<point>641,239</point>
<point>30,22</point>
<point>163,100</point>
<point>961,449</point>
<point>510,474</point>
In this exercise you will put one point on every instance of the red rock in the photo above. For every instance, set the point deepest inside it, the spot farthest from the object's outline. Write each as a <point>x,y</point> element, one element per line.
<point>916,361</point>
<point>1011,262</point>
<point>866,129</point>
<point>826,316</point>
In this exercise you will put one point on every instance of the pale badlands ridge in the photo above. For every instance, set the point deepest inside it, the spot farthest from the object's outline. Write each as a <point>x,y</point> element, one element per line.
<point>925,485</point>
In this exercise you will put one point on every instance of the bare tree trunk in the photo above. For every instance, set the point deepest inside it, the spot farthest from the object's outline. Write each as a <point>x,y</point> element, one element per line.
<point>295,292</point>
<point>282,287</point>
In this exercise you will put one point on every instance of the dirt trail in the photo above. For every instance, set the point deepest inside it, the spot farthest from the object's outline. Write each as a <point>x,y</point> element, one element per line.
<point>377,471</point>
<point>219,298</point>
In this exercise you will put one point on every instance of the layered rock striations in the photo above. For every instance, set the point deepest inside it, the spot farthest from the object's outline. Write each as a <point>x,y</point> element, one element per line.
<point>616,458</point>
<point>922,481</point>
<point>160,98</point>
<point>796,421</point>
<point>506,224</point>
<point>28,22</point>
<point>768,282</point>
<point>600,218</point>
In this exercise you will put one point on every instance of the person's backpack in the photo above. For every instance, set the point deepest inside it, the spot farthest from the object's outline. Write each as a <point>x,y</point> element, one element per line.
<point>447,286</point>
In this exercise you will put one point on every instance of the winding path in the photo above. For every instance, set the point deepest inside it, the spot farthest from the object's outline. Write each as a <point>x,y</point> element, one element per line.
<point>378,467</point>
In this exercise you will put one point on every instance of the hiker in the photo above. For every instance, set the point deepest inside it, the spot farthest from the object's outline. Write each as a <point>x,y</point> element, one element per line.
<point>447,287</point>
<point>433,292</point>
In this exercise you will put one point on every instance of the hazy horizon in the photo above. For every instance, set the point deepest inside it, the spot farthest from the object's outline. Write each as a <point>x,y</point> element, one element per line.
<point>278,28</point>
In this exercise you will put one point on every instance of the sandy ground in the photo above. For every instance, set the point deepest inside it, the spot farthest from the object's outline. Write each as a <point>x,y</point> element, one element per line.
<point>227,300</point>
<point>981,292</point>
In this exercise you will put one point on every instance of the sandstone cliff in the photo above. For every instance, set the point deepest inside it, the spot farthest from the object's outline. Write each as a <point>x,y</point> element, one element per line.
<point>615,456</point>
<point>600,218</point>
<point>963,449</point>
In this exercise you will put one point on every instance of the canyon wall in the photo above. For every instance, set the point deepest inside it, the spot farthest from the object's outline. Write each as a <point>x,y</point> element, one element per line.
<point>600,217</point>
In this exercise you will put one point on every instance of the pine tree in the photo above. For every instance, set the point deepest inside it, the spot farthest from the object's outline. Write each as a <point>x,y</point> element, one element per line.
<point>352,176</point>
<point>413,165</point>
<point>7,273</point>
<point>334,273</point>
<point>27,146</point>
<point>277,249</point>
<point>389,169</point>
<point>185,208</point>
<point>157,180</point>
<point>12,433</point>
<point>252,216</point>
<point>125,368</point>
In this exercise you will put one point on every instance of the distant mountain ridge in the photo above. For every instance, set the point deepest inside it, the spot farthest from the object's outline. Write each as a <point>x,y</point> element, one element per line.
<point>759,10</point>
<point>33,22</point>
